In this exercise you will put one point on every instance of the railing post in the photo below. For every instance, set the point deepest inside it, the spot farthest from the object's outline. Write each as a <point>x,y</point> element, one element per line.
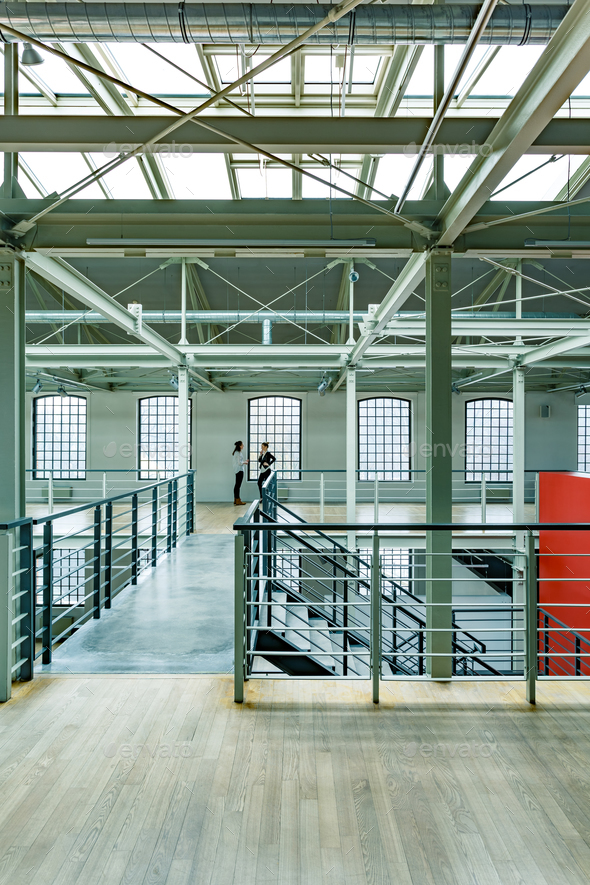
<point>376,500</point>
<point>537,496</point>
<point>6,615</point>
<point>577,658</point>
<point>154,526</point>
<point>169,526</point>
<point>108,555</point>
<point>27,606</point>
<point>47,592</point>
<point>239,624</point>
<point>96,569</point>
<point>322,497</point>
<point>50,492</point>
<point>104,484</point>
<point>134,523</point>
<point>531,619</point>
<point>483,499</point>
<point>175,512</point>
<point>375,618</point>
<point>190,507</point>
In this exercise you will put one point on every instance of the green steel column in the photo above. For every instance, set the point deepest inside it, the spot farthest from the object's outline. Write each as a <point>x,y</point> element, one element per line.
<point>240,602</point>
<point>12,397</point>
<point>10,108</point>
<point>531,615</point>
<point>438,160</point>
<point>439,475</point>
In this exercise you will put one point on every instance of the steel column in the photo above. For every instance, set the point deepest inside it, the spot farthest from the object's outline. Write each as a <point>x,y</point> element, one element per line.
<point>439,588</point>
<point>531,656</point>
<point>12,397</point>
<point>10,109</point>
<point>154,526</point>
<point>375,619</point>
<point>518,443</point>
<point>239,622</point>
<point>351,452</point>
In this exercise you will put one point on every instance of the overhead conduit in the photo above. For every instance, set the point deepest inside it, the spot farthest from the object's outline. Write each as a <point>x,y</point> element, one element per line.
<point>270,23</point>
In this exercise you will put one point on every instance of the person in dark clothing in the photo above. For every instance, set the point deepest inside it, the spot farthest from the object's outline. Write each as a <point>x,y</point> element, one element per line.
<point>266,459</point>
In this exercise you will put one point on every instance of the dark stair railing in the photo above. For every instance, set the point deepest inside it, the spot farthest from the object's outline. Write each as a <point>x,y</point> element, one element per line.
<point>404,627</point>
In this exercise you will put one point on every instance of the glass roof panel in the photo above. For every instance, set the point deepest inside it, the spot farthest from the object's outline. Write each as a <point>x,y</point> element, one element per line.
<point>198,177</point>
<point>144,69</point>
<point>317,68</point>
<point>394,171</point>
<point>541,185</point>
<point>126,182</point>
<point>57,171</point>
<point>268,184</point>
<point>508,70</point>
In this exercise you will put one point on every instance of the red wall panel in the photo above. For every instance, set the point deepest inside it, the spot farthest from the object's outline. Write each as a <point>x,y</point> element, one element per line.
<point>564,574</point>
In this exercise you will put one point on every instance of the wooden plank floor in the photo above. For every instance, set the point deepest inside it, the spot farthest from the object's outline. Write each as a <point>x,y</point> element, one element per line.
<point>165,780</point>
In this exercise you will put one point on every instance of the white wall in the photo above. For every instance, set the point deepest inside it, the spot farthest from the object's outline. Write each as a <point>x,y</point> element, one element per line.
<point>221,418</point>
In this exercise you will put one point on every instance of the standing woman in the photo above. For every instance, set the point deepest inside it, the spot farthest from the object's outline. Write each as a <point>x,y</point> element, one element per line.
<point>239,463</point>
<point>265,460</point>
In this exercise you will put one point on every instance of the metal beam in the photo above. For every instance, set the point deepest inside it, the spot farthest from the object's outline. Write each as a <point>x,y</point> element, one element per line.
<point>399,72</point>
<point>561,67</point>
<point>412,274</point>
<point>457,136</point>
<point>63,275</point>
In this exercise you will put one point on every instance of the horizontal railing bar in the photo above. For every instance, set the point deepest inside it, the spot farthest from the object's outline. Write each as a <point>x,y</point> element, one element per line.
<point>18,664</point>
<point>98,503</point>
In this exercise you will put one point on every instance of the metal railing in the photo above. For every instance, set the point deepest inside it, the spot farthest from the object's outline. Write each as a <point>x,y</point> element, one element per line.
<point>326,488</point>
<point>51,487</point>
<point>309,607</point>
<point>63,569</point>
<point>400,606</point>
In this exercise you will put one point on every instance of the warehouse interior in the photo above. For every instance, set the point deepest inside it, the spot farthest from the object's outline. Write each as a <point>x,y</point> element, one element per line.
<point>352,237</point>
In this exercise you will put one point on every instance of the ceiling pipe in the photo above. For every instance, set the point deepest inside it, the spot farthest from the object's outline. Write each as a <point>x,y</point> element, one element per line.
<point>216,317</point>
<point>272,24</point>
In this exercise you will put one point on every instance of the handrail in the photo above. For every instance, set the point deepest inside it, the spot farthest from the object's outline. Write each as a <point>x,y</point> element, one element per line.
<point>360,527</point>
<point>574,633</point>
<point>16,523</point>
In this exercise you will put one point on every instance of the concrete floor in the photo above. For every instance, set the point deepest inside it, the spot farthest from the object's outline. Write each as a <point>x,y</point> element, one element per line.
<point>178,619</point>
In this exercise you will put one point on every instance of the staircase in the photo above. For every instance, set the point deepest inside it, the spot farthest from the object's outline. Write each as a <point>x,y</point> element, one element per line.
<point>312,616</point>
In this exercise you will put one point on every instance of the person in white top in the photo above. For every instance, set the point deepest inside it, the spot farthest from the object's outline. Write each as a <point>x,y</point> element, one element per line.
<point>239,464</point>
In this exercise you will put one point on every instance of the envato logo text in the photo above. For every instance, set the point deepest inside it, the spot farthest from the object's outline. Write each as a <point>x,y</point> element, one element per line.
<point>112,150</point>
<point>444,449</point>
<point>148,450</point>
<point>451,150</point>
<point>157,751</point>
<point>469,750</point>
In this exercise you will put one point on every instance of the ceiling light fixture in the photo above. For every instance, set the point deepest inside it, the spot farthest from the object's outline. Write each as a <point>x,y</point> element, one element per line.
<point>231,244</point>
<point>62,391</point>
<point>38,387</point>
<point>174,382</point>
<point>324,384</point>
<point>30,56</point>
<point>559,244</point>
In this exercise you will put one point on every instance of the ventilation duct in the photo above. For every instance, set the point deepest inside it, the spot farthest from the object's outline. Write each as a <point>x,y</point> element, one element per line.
<point>262,23</point>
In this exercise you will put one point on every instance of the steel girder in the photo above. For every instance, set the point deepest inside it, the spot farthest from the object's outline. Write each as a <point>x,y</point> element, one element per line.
<point>458,136</point>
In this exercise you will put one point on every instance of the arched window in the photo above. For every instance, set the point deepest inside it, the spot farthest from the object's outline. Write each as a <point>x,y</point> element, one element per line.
<point>488,440</point>
<point>59,437</point>
<point>384,438</point>
<point>277,421</point>
<point>584,439</point>
<point>158,436</point>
